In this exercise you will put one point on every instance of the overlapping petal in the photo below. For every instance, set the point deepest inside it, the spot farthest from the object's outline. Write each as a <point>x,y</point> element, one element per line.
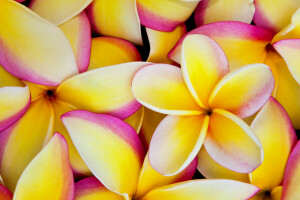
<point>176,142</point>
<point>22,141</point>
<point>58,11</point>
<point>136,119</point>
<point>164,15</point>
<point>203,64</point>
<point>204,189</point>
<point>110,147</point>
<point>231,142</point>
<point>116,18</point>
<point>105,90</point>
<point>5,194</point>
<point>161,88</point>
<point>209,11</point>
<point>78,31</point>
<point>107,51</point>
<point>277,136</point>
<point>248,88</point>
<point>48,175</point>
<point>32,48</point>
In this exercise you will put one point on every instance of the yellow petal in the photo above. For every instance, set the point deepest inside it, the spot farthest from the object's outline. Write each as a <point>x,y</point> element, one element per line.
<point>78,31</point>
<point>276,193</point>
<point>105,90</point>
<point>244,91</point>
<point>22,141</point>
<point>32,48</point>
<point>136,119</point>
<point>110,147</point>
<point>92,189</point>
<point>161,88</point>
<point>203,64</point>
<point>209,11</point>
<point>111,51</point>
<point>210,169</point>
<point>176,142</point>
<point>231,142</point>
<point>162,42</point>
<point>116,18</point>
<point>58,11</point>
<point>48,176</point>
<point>275,131</point>
<point>204,189</point>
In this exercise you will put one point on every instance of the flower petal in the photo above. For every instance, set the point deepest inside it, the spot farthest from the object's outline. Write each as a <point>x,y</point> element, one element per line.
<point>210,169</point>
<point>116,18</point>
<point>58,11</point>
<point>5,194</point>
<point>78,31</point>
<point>41,180</point>
<point>291,186</point>
<point>242,43</point>
<point>248,88</point>
<point>151,179</point>
<point>32,48</point>
<point>276,193</point>
<point>209,11</point>
<point>92,188</point>
<point>165,15</point>
<point>203,64</point>
<point>274,14</point>
<point>204,189</point>
<point>105,90</point>
<point>22,141</point>
<point>167,94</point>
<point>176,142</point>
<point>111,51</point>
<point>162,42</point>
<point>78,165</point>
<point>110,147</point>
<point>275,131</point>
<point>231,142</point>
<point>136,119</point>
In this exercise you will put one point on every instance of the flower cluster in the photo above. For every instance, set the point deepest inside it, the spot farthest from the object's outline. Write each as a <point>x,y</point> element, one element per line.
<point>149,99</point>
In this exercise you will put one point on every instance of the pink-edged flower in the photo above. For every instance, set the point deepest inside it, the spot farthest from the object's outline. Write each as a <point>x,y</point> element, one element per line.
<point>204,102</point>
<point>114,153</point>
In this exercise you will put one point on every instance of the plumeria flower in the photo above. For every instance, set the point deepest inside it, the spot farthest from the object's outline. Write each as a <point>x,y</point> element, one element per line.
<point>42,55</point>
<point>274,129</point>
<point>112,150</point>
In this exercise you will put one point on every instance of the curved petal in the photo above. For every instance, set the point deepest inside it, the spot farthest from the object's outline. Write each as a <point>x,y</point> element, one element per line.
<point>231,142</point>
<point>162,42</point>
<point>92,188</point>
<point>204,189</point>
<point>105,90</point>
<point>136,119</point>
<point>209,11</point>
<point>203,64</point>
<point>111,51</point>
<point>242,43</point>
<point>41,180</point>
<point>289,49</point>
<point>291,186</point>
<point>176,142</point>
<point>248,88</point>
<point>78,31</point>
<point>116,18</point>
<point>151,179</point>
<point>276,193</point>
<point>161,88</point>
<point>58,11</point>
<point>110,147</point>
<point>210,169</point>
<point>274,14</point>
<point>275,131</point>
<point>5,194</point>
<point>165,15</point>
<point>22,141</point>
<point>33,49</point>
<point>78,165</point>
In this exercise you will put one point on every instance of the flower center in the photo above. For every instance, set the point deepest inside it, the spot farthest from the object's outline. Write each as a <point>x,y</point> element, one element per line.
<point>208,112</point>
<point>50,94</point>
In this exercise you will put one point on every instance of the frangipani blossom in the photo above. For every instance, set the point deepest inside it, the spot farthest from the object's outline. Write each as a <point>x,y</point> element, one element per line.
<point>112,150</point>
<point>275,131</point>
<point>204,102</point>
